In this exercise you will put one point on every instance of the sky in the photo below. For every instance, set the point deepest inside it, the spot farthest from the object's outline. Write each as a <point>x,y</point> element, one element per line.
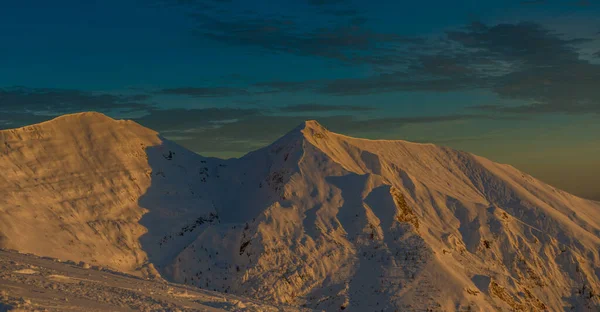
<point>514,81</point>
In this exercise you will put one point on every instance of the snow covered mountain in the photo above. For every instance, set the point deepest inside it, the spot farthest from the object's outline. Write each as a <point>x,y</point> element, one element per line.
<point>316,219</point>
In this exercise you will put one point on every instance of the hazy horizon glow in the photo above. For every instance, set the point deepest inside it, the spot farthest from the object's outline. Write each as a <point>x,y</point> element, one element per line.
<point>516,82</point>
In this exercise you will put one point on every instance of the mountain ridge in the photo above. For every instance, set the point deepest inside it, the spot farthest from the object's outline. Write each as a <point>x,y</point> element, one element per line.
<point>315,218</point>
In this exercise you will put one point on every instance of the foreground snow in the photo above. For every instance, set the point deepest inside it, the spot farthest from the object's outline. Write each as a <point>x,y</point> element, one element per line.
<point>316,219</point>
<point>30,283</point>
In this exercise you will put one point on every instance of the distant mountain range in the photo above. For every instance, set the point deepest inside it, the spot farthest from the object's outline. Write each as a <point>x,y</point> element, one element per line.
<point>316,219</point>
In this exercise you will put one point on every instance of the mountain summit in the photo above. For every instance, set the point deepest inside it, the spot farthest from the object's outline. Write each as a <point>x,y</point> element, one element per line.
<point>316,219</point>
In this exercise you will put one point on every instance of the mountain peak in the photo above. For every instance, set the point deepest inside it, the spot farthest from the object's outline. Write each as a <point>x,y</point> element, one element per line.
<point>312,127</point>
<point>312,124</point>
<point>67,120</point>
<point>84,115</point>
<point>309,125</point>
<point>306,130</point>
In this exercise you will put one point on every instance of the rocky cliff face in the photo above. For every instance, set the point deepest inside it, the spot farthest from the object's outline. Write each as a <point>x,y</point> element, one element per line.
<point>316,219</point>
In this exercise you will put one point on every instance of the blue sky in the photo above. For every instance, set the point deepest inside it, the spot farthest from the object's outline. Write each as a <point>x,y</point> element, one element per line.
<point>514,81</point>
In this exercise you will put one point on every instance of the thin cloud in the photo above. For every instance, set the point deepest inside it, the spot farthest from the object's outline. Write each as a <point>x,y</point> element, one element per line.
<point>522,61</point>
<point>277,86</point>
<point>205,91</point>
<point>229,130</point>
<point>12,120</point>
<point>348,41</point>
<point>183,119</point>
<point>341,12</point>
<point>60,101</point>
<point>326,2</point>
<point>313,107</point>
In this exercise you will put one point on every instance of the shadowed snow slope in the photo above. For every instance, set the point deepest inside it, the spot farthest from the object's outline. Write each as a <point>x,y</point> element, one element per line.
<point>316,219</point>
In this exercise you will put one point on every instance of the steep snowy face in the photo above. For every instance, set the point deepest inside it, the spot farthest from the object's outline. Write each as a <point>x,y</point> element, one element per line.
<point>315,219</point>
<point>500,236</point>
<point>327,221</point>
<point>69,189</point>
<point>335,221</point>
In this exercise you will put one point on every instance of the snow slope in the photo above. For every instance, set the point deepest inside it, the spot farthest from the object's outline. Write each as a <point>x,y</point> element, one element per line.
<point>30,283</point>
<point>70,186</point>
<point>316,219</point>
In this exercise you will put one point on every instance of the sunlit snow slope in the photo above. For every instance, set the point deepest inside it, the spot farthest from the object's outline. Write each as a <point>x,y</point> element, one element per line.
<point>316,219</point>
